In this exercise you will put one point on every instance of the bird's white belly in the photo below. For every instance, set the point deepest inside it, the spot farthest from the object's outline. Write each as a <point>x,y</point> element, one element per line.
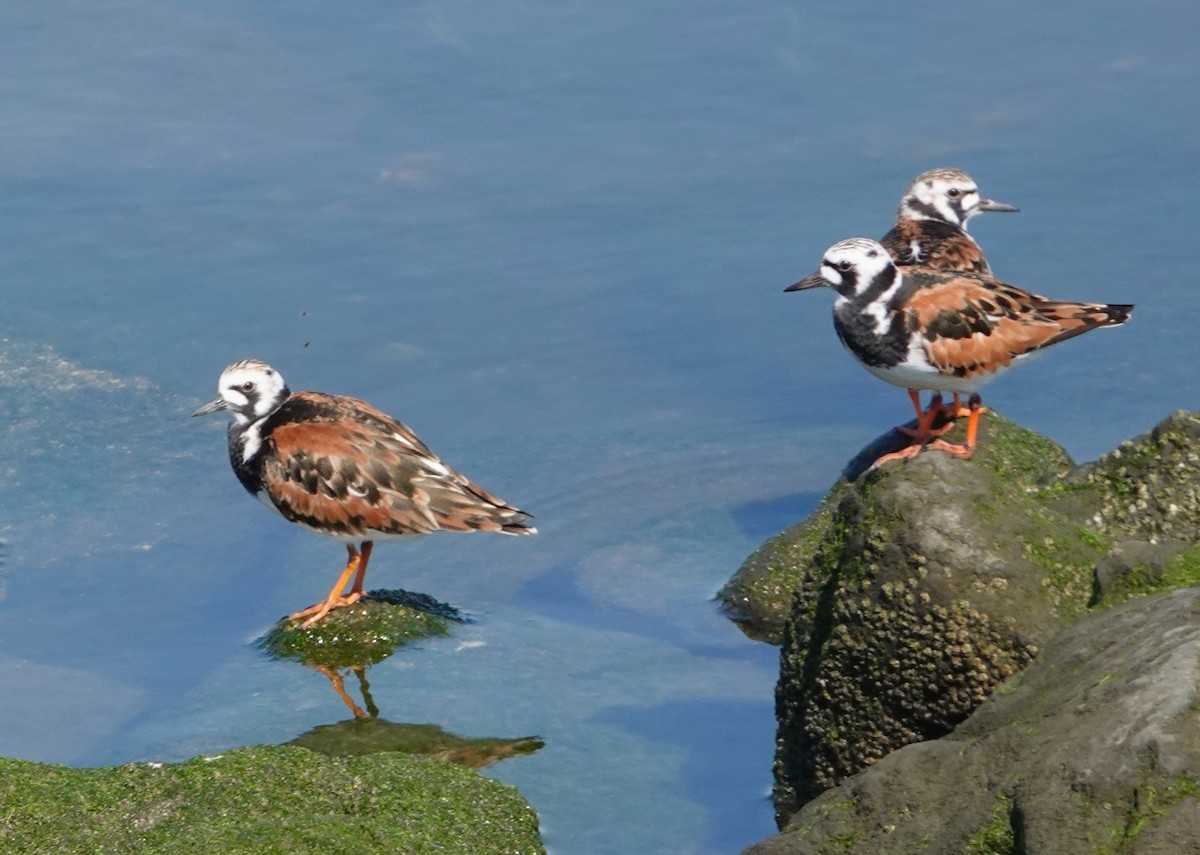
<point>916,372</point>
<point>926,377</point>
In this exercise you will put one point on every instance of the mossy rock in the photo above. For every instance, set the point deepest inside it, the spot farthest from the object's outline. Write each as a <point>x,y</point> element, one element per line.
<point>916,589</point>
<point>759,596</point>
<point>1149,487</point>
<point>1096,750</point>
<point>263,799</point>
<point>362,634</point>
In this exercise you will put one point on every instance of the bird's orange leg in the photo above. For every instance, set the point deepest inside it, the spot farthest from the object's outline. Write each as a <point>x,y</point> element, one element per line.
<point>925,435</point>
<point>956,410</point>
<point>356,590</point>
<point>965,451</point>
<point>925,431</point>
<point>335,600</point>
<point>920,436</point>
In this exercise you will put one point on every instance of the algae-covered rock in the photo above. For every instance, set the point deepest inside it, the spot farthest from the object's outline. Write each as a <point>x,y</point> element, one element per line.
<point>362,634</point>
<point>1094,748</point>
<point>759,596</point>
<point>931,582</point>
<point>263,799</point>
<point>915,589</point>
<point>1149,488</point>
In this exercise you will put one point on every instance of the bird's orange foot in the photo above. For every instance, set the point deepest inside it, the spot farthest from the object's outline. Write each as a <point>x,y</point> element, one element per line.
<point>905,453</point>
<point>962,452</point>
<point>315,613</point>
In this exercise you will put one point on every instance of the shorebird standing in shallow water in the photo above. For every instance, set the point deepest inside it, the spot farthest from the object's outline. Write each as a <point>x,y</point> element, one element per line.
<point>942,331</point>
<point>342,468</point>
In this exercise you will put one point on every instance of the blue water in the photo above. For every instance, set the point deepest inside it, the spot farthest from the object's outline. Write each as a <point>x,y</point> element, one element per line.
<point>553,238</point>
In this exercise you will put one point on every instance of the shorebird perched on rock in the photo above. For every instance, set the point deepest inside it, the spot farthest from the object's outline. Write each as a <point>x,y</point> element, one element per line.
<point>931,231</point>
<point>942,331</point>
<point>931,224</point>
<point>342,468</point>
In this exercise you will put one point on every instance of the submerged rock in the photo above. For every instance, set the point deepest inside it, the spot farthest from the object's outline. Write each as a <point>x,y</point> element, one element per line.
<point>916,589</point>
<point>263,799</point>
<point>1094,748</point>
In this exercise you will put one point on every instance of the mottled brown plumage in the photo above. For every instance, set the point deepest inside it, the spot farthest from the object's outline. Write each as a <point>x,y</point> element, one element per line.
<point>970,325</point>
<point>340,465</point>
<point>940,330</point>
<point>928,243</point>
<point>343,468</point>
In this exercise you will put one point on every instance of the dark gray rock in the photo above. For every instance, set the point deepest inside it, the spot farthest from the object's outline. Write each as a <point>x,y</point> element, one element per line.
<point>1094,748</point>
<point>918,588</point>
<point>914,590</point>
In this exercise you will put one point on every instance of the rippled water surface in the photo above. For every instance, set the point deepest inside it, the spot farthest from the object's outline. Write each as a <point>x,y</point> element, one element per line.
<point>553,238</point>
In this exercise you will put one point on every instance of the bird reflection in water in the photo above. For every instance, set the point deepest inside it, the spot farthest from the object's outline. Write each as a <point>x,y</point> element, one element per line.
<point>356,637</point>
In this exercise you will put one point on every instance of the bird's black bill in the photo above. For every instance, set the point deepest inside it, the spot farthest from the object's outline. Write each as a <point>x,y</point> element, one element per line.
<point>997,207</point>
<point>814,281</point>
<point>216,405</point>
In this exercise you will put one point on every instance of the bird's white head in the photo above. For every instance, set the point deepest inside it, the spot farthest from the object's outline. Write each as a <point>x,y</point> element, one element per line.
<point>853,268</point>
<point>948,196</point>
<point>248,390</point>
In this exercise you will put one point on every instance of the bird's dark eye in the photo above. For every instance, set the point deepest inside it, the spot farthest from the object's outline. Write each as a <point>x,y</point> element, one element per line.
<point>953,192</point>
<point>843,266</point>
<point>248,386</point>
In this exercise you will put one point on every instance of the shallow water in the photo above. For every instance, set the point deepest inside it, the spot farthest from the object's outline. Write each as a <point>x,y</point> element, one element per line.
<point>553,238</point>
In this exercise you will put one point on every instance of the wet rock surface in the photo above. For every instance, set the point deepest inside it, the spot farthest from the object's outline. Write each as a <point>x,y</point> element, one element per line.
<point>1094,748</point>
<point>915,590</point>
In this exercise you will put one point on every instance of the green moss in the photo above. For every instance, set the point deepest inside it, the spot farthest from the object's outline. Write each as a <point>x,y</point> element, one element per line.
<point>1149,488</point>
<point>1068,554</point>
<point>996,837</point>
<point>1017,454</point>
<point>262,799</point>
<point>1182,571</point>
<point>1149,804</point>
<point>759,596</point>
<point>363,634</point>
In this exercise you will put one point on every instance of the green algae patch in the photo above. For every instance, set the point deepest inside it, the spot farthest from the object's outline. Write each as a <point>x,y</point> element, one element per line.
<point>1151,806</point>
<point>1017,455</point>
<point>759,596</point>
<point>263,799</point>
<point>362,634</point>
<point>1181,571</point>
<point>995,838</point>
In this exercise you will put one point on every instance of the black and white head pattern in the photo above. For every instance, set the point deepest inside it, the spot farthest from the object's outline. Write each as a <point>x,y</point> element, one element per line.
<point>857,268</point>
<point>251,390</point>
<point>945,195</point>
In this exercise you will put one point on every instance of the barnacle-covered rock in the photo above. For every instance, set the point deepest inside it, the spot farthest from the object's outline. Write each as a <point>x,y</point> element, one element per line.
<point>914,590</point>
<point>1094,748</point>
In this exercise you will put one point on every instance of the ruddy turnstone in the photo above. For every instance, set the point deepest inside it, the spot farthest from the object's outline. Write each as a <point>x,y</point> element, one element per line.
<point>931,225</point>
<point>342,468</point>
<point>919,328</point>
